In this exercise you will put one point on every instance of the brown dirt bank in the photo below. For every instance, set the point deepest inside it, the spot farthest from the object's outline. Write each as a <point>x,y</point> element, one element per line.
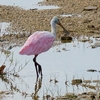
<point>25,22</point>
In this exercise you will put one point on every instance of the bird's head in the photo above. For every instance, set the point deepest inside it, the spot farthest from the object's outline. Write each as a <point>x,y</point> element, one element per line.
<point>55,20</point>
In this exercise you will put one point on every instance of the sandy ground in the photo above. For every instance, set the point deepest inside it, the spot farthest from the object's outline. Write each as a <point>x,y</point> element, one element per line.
<point>84,21</point>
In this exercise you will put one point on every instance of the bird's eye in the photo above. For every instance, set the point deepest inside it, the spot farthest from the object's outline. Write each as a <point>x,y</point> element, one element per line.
<point>56,21</point>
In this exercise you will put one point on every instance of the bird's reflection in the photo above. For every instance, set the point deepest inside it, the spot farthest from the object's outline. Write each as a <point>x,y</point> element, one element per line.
<point>37,88</point>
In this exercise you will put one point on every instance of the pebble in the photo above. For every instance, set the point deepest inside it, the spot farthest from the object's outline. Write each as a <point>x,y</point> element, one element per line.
<point>89,8</point>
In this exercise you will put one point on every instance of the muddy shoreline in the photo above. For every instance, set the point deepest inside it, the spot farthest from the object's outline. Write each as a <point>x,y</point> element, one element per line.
<point>25,22</point>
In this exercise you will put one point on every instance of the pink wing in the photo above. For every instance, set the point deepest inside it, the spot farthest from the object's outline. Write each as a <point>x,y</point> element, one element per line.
<point>37,43</point>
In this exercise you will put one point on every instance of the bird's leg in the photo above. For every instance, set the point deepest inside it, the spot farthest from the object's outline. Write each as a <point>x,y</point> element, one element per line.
<point>39,66</point>
<point>34,60</point>
<point>39,69</point>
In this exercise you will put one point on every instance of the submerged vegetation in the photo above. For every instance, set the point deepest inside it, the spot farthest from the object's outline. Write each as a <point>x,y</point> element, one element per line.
<point>9,72</point>
<point>91,88</point>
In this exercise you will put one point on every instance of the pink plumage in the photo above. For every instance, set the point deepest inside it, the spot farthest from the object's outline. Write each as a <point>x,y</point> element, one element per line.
<point>37,43</point>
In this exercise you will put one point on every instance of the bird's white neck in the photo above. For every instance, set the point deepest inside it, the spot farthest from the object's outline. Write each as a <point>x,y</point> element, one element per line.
<point>53,28</point>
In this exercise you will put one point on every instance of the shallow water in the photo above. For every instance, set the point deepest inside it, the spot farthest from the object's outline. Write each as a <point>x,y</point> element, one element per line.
<point>3,28</point>
<point>62,65</point>
<point>32,4</point>
<point>59,64</point>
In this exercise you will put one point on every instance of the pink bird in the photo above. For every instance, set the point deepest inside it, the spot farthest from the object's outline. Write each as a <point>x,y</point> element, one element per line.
<point>39,42</point>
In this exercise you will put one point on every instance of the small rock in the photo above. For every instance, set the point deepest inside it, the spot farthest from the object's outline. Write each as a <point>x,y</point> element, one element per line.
<point>10,47</point>
<point>96,81</point>
<point>95,45</point>
<point>87,20</point>
<point>91,26</point>
<point>2,40</point>
<point>76,81</point>
<point>96,36</point>
<point>89,8</point>
<point>2,69</point>
<point>92,70</point>
<point>87,81</point>
<point>66,39</point>
<point>64,49</point>
<point>83,40</point>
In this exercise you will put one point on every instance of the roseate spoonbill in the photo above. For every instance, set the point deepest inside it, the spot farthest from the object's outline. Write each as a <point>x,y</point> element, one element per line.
<point>39,42</point>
